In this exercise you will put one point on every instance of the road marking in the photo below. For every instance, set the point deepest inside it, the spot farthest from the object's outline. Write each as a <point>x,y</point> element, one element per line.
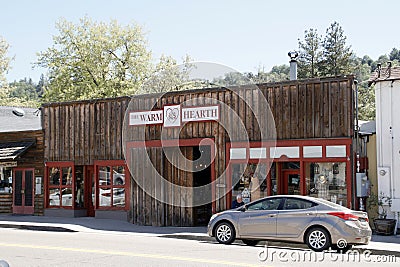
<point>131,254</point>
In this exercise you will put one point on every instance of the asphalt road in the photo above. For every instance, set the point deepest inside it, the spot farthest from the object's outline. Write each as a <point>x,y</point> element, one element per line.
<point>41,248</point>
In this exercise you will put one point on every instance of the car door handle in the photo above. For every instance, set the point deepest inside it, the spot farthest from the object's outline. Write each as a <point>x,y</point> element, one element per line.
<point>310,213</point>
<point>272,215</point>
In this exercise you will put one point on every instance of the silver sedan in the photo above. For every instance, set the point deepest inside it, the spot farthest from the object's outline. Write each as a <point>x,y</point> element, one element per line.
<point>318,223</point>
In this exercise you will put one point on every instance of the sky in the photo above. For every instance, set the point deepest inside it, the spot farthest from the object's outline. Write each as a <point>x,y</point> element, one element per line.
<point>243,35</point>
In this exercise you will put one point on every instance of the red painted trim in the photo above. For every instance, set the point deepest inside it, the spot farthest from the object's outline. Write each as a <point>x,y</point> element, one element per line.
<point>126,186</point>
<point>61,164</point>
<point>288,143</point>
<point>23,209</point>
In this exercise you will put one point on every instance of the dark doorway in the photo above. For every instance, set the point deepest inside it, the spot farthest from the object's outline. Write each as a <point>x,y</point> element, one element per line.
<point>202,177</point>
<point>23,191</point>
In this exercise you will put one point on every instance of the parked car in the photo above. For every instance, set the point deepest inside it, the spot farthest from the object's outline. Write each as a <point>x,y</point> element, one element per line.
<point>54,198</point>
<point>118,178</point>
<point>316,222</point>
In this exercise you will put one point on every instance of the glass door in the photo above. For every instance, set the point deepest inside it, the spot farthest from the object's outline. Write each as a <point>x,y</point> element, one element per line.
<point>23,191</point>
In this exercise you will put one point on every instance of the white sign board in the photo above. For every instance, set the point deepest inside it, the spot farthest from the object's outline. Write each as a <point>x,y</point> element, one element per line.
<point>206,113</point>
<point>174,115</point>
<point>146,117</point>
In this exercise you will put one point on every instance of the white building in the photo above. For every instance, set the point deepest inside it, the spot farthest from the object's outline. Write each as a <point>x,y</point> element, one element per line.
<point>387,97</point>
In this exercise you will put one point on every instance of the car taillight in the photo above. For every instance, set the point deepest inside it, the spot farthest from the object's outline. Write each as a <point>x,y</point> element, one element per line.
<point>346,216</point>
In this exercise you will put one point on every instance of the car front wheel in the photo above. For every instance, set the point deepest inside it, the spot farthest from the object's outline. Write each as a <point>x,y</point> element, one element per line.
<point>225,233</point>
<point>318,239</point>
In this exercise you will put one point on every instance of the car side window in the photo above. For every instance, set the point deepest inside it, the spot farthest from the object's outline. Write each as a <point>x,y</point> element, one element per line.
<point>266,204</point>
<point>296,204</point>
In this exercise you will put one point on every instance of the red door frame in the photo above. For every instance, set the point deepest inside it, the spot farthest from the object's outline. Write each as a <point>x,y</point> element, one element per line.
<point>127,186</point>
<point>284,181</point>
<point>298,143</point>
<point>47,186</point>
<point>179,143</point>
<point>24,209</point>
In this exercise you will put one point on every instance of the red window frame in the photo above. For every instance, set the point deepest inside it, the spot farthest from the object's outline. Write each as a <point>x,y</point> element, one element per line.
<point>111,163</point>
<point>60,186</point>
<point>299,143</point>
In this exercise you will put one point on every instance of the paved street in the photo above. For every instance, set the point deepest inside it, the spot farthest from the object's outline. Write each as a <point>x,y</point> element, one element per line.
<point>109,248</point>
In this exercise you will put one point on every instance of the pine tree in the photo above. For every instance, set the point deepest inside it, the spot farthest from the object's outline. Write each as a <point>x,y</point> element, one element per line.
<point>309,54</point>
<point>336,55</point>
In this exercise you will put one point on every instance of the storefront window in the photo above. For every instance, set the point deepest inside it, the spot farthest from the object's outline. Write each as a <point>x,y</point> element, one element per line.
<point>274,180</point>
<point>111,181</point>
<point>327,180</point>
<point>5,180</point>
<point>79,187</point>
<point>60,194</point>
<point>249,180</point>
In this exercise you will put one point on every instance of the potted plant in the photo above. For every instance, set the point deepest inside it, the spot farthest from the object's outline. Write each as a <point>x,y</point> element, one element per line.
<point>383,226</point>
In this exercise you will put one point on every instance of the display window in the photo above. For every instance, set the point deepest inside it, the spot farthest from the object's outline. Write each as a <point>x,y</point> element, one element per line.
<point>249,180</point>
<point>327,180</point>
<point>60,191</point>
<point>112,185</point>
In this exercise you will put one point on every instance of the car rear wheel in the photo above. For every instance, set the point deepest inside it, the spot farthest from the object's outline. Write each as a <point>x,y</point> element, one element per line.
<point>318,239</point>
<point>250,242</point>
<point>225,233</point>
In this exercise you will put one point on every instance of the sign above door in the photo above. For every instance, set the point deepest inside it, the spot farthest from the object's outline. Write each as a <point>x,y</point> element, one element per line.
<point>174,115</point>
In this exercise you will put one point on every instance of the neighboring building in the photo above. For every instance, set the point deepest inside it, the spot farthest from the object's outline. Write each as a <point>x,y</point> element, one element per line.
<point>387,94</point>
<point>21,161</point>
<point>87,173</point>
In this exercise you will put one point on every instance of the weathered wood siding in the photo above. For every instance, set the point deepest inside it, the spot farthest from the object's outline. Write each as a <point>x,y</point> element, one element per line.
<point>33,157</point>
<point>84,131</point>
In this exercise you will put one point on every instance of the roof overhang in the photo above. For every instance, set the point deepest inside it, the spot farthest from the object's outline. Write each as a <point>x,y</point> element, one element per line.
<point>13,150</point>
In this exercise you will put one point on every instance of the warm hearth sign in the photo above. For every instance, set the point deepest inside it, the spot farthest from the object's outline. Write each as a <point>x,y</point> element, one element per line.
<point>174,115</point>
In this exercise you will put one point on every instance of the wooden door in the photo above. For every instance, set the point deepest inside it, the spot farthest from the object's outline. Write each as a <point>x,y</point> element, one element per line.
<point>23,200</point>
<point>89,191</point>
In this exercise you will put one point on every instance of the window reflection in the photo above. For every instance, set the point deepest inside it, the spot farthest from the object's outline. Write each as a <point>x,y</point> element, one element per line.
<point>249,180</point>
<point>118,175</point>
<point>54,197</point>
<point>111,186</point>
<point>54,176</point>
<point>327,180</point>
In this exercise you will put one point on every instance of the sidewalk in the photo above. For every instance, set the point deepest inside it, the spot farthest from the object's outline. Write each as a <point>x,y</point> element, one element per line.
<point>378,245</point>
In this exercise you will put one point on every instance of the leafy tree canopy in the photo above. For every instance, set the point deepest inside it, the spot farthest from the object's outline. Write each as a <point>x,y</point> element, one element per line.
<point>95,60</point>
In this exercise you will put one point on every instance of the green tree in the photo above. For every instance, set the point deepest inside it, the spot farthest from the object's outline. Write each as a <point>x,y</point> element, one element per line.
<point>394,54</point>
<point>336,55</point>
<point>23,89</point>
<point>309,54</point>
<point>4,67</point>
<point>95,60</point>
<point>167,75</point>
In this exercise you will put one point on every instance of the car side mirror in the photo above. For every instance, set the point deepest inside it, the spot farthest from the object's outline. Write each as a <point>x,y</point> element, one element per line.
<point>243,208</point>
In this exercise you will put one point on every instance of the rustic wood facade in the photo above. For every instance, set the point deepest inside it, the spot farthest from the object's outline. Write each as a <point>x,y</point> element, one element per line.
<point>86,131</point>
<point>30,159</point>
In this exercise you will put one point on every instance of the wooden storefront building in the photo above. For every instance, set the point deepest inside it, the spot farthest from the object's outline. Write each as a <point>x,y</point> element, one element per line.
<point>106,158</point>
<point>21,161</point>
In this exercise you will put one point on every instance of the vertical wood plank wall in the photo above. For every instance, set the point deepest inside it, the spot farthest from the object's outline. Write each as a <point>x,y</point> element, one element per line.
<point>85,131</point>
